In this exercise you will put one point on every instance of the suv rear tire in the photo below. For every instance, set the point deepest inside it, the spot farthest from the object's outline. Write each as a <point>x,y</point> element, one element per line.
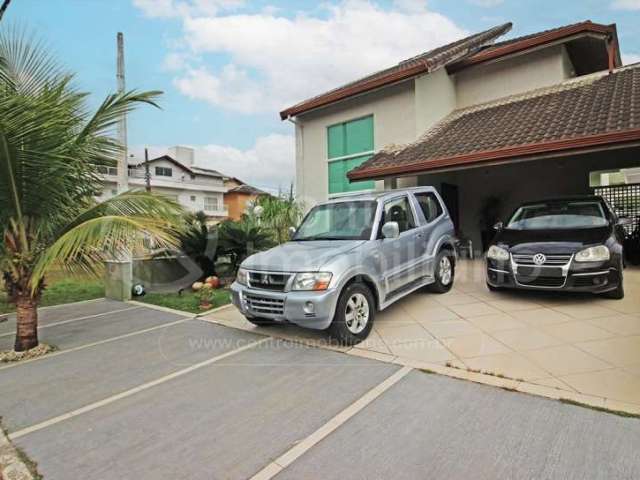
<point>354,314</point>
<point>444,272</point>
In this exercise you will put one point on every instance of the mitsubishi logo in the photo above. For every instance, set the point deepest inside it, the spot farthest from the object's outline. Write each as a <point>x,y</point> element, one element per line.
<point>539,259</point>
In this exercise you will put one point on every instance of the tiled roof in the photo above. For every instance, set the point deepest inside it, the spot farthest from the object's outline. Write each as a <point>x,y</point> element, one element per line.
<point>533,40</point>
<point>594,110</point>
<point>425,62</point>
<point>247,189</point>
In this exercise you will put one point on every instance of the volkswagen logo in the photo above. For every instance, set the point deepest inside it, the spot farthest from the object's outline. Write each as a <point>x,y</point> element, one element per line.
<point>539,259</point>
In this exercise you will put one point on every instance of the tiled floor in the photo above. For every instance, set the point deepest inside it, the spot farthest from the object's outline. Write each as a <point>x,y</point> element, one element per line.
<point>579,343</point>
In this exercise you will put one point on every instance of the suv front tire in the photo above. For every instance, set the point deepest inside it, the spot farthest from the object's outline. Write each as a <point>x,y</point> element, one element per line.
<point>354,314</point>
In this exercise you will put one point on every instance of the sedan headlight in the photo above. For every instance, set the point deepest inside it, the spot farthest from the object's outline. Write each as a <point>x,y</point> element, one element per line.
<point>311,281</point>
<point>242,277</point>
<point>497,253</point>
<point>593,254</point>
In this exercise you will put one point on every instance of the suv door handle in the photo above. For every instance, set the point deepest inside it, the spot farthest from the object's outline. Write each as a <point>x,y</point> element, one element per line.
<point>419,235</point>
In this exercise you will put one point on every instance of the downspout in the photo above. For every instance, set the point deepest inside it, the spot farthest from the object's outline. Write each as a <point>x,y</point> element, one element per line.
<point>300,192</point>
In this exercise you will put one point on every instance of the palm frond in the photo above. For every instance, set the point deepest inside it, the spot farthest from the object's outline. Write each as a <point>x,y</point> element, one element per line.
<point>26,65</point>
<point>113,229</point>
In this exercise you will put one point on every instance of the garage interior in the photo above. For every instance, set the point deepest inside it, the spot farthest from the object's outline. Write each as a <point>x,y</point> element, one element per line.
<point>478,197</point>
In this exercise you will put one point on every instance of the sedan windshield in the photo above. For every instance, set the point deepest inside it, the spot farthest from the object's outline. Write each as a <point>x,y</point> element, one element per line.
<point>338,221</point>
<point>559,215</point>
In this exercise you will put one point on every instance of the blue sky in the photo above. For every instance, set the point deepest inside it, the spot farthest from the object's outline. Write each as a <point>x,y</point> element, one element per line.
<point>228,66</point>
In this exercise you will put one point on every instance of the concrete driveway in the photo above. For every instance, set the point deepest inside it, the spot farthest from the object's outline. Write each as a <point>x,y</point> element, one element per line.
<point>138,393</point>
<point>558,345</point>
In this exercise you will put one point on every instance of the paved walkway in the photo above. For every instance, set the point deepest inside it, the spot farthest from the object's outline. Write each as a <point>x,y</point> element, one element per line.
<point>136,393</point>
<point>566,345</point>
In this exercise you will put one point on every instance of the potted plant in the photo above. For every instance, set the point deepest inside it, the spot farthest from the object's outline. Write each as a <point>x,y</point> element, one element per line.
<point>205,294</point>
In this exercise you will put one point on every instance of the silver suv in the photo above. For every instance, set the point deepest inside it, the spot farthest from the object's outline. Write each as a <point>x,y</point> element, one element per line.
<point>348,259</point>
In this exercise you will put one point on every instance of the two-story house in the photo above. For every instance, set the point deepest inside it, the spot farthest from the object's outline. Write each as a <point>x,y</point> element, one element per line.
<point>490,124</point>
<point>176,176</point>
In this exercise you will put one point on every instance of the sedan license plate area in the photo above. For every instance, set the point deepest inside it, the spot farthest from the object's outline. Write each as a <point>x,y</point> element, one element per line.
<point>533,272</point>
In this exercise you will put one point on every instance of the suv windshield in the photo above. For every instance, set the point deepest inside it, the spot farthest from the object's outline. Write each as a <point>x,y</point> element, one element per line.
<point>559,215</point>
<point>338,221</point>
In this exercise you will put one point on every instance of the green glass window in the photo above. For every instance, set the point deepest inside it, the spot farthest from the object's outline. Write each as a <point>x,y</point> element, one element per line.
<point>348,140</point>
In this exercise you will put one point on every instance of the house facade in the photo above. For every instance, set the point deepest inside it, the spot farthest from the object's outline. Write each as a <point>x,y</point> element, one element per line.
<point>176,176</point>
<point>488,123</point>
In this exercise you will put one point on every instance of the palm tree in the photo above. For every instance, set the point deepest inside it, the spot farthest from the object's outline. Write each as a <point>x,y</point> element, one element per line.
<point>199,243</point>
<point>49,145</point>
<point>279,214</point>
<point>238,240</point>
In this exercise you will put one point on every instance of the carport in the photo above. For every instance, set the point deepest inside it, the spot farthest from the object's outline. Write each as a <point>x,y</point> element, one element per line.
<point>488,158</point>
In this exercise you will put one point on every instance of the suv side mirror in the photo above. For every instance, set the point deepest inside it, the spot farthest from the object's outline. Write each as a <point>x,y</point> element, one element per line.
<point>292,231</point>
<point>390,230</point>
<point>624,221</point>
<point>498,226</point>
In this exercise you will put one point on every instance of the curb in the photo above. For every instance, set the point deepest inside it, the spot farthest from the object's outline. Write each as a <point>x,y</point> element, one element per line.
<point>179,312</point>
<point>11,465</point>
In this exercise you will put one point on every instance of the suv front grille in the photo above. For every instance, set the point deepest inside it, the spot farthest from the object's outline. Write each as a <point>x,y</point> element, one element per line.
<point>276,282</point>
<point>551,260</point>
<point>259,304</point>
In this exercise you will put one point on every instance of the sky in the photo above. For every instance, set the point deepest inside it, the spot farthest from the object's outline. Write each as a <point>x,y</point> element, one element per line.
<point>227,67</point>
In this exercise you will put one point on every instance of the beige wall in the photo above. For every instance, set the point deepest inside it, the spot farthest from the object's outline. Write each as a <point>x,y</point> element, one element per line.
<point>394,122</point>
<point>513,75</point>
<point>405,111</point>
<point>435,99</point>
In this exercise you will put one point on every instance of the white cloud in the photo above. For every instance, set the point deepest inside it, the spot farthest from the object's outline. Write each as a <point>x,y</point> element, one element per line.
<point>269,164</point>
<point>629,58</point>
<point>275,61</point>
<point>487,3</point>
<point>626,5</point>
<point>178,8</point>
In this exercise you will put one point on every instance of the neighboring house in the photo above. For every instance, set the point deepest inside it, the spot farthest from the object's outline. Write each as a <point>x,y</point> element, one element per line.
<point>176,176</point>
<point>488,124</point>
<point>239,196</point>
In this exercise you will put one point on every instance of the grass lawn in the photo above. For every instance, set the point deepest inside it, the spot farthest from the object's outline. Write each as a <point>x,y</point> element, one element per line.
<point>62,290</point>
<point>187,302</point>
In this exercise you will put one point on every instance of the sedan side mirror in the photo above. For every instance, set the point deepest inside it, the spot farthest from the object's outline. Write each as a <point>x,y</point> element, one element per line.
<point>391,230</point>
<point>292,231</point>
<point>498,226</point>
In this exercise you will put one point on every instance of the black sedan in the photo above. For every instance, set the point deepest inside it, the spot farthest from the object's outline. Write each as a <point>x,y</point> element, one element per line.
<point>572,244</point>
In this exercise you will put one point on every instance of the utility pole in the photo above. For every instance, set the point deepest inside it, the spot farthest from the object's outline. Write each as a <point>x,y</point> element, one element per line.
<point>123,164</point>
<point>147,173</point>
<point>3,8</point>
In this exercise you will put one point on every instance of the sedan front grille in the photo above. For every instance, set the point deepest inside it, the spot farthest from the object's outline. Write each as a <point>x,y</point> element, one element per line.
<point>549,282</point>
<point>550,260</point>
<point>259,304</point>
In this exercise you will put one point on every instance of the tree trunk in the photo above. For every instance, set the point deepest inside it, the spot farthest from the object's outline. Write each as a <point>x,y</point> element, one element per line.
<point>27,323</point>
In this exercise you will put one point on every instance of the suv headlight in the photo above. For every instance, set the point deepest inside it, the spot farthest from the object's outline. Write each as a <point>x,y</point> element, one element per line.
<point>497,253</point>
<point>242,277</point>
<point>593,254</point>
<point>311,281</point>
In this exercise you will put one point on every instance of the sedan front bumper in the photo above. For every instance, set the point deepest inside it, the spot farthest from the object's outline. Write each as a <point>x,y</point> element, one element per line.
<point>597,277</point>
<point>305,308</point>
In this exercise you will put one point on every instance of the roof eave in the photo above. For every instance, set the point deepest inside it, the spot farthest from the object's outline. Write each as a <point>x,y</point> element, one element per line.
<point>540,40</point>
<point>394,77</point>
<point>503,154</point>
